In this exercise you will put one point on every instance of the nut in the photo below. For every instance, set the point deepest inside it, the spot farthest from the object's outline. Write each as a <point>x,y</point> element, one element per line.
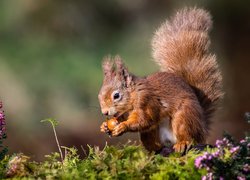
<point>112,123</point>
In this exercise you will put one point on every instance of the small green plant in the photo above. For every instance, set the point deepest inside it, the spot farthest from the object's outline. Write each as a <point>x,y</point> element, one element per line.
<point>18,166</point>
<point>54,123</point>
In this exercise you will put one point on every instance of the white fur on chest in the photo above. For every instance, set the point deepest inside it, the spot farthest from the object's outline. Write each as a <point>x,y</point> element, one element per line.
<point>166,133</point>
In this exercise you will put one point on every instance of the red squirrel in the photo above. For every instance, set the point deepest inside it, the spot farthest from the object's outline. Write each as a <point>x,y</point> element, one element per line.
<point>176,104</point>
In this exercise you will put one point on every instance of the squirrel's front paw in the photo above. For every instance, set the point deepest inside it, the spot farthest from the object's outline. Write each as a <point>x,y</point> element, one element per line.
<point>104,128</point>
<point>119,129</point>
<point>182,146</point>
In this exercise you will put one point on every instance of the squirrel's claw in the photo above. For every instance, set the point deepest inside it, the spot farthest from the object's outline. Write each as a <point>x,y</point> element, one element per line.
<point>119,129</point>
<point>182,147</point>
<point>104,128</point>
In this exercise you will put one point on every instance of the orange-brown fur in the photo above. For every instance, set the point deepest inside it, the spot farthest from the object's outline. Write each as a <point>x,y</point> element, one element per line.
<point>180,99</point>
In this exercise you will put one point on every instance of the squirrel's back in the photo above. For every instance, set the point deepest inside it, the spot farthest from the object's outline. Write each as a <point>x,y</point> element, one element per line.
<point>181,46</point>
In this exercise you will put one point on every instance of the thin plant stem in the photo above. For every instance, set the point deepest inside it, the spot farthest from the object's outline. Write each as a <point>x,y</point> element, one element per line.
<point>57,142</point>
<point>53,123</point>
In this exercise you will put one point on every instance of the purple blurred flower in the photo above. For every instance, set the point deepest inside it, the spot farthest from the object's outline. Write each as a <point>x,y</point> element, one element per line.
<point>218,143</point>
<point>204,178</point>
<point>243,141</point>
<point>2,122</point>
<point>241,178</point>
<point>214,162</point>
<point>246,168</point>
<point>1,115</point>
<point>204,161</point>
<point>209,176</point>
<point>198,162</point>
<point>218,153</point>
<point>223,143</point>
<point>234,149</point>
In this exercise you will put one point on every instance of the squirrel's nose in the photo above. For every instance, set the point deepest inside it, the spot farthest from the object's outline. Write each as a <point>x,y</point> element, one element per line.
<point>105,113</point>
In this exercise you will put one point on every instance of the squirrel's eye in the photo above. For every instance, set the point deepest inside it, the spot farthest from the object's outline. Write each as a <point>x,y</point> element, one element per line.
<point>116,96</point>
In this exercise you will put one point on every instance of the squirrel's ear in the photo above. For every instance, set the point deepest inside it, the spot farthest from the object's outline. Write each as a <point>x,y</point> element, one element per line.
<point>108,67</point>
<point>122,72</point>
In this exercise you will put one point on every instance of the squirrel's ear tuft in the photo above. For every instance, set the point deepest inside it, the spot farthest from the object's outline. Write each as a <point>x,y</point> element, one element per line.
<point>122,72</point>
<point>108,66</point>
<point>118,62</point>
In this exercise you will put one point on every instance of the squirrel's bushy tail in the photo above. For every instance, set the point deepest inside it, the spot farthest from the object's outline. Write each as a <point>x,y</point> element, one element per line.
<point>180,46</point>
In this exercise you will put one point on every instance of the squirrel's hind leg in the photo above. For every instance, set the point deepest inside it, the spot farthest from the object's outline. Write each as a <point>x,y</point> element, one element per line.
<point>188,125</point>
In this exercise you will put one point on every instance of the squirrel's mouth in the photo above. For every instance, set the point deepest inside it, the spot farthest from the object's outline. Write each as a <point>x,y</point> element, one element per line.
<point>121,116</point>
<point>116,115</point>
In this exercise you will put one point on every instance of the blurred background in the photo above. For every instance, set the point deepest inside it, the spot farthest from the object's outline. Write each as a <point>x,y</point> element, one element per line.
<point>50,64</point>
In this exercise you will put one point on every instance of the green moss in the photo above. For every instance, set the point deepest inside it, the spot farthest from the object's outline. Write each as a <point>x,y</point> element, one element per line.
<point>229,160</point>
<point>125,162</point>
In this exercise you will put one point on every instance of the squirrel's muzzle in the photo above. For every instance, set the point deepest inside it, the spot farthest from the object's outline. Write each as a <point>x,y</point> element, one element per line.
<point>106,113</point>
